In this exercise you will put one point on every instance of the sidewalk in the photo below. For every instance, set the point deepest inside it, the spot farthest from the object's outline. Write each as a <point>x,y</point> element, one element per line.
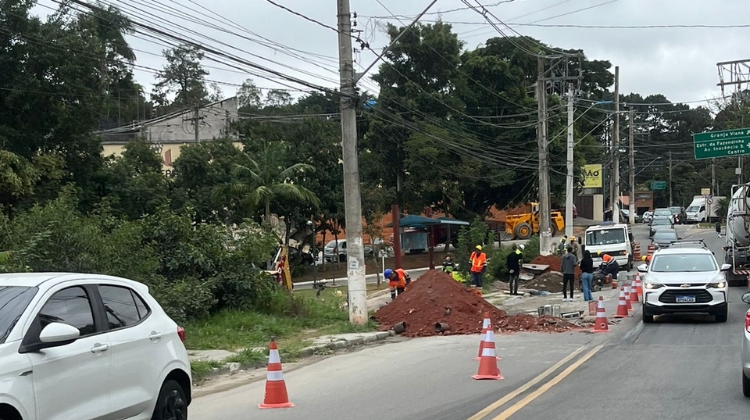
<point>370,279</point>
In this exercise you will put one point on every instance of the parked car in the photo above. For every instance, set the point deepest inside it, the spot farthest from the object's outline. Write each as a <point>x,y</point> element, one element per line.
<point>684,280</point>
<point>647,216</point>
<point>663,238</point>
<point>746,350</point>
<point>85,346</point>
<point>332,250</point>
<point>679,216</point>
<point>659,223</point>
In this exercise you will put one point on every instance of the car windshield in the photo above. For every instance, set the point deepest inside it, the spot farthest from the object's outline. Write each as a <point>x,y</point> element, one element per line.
<point>665,236</point>
<point>13,301</point>
<point>605,237</point>
<point>332,244</point>
<point>693,208</point>
<point>661,222</point>
<point>664,212</point>
<point>677,263</point>
<point>675,210</point>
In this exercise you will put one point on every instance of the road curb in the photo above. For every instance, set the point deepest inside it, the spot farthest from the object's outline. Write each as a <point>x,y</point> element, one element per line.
<point>316,350</point>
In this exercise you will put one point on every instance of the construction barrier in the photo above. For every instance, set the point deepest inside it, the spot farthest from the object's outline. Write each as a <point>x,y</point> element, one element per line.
<point>637,251</point>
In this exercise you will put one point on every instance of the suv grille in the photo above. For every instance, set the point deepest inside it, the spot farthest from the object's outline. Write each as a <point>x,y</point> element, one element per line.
<point>670,296</point>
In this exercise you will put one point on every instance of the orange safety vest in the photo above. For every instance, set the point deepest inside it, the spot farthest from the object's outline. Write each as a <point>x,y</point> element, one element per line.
<point>400,282</point>
<point>477,261</point>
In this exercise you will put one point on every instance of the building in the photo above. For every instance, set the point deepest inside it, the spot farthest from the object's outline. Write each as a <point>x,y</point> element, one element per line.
<point>170,132</point>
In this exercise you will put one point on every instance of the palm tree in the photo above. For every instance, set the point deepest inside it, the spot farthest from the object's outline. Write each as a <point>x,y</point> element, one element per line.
<point>258,182</point>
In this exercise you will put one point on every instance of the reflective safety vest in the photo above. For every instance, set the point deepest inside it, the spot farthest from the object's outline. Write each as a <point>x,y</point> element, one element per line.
<point>477,261</point>
<point>400,281</point>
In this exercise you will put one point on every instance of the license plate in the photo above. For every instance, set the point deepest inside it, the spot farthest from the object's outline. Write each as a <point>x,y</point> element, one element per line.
<point>685,299</point>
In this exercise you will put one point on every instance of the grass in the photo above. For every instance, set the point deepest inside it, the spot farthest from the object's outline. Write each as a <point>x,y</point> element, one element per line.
<point>330,291</point>
<point>248,333</point>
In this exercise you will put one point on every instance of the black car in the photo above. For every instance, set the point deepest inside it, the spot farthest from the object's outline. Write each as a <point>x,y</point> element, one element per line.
<point>664,238</point>
<point>659,223</point>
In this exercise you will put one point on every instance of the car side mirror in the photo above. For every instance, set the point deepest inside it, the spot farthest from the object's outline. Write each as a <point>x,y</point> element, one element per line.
<point>58,333</point>
<point>746,297</point>
<point>726,267</point>
<point>643,268</point>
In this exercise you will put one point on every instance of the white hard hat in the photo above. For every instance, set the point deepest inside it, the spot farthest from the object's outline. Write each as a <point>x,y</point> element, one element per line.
<point>521,247</point>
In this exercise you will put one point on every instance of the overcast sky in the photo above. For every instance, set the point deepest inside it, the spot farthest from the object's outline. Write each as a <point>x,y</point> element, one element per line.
<point>677,62</point>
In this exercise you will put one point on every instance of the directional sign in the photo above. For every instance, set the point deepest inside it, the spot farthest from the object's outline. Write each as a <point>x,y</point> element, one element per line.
<point>658,185</point>
<point>721,143</point>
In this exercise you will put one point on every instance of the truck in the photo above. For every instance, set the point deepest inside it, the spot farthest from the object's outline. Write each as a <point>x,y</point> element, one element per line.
<point>737,247</point>
<point>616,240</point>
<point>522,226</point>
<point>702,209</point>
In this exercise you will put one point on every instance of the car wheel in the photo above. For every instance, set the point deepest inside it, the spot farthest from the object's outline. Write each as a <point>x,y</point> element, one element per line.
<point>172,404</point>
<point>745,385</point>
<point>721,316</point>
<point>647,318</point>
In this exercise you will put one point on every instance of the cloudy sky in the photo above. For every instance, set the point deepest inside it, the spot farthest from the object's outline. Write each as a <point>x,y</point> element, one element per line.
<point>678,62</point>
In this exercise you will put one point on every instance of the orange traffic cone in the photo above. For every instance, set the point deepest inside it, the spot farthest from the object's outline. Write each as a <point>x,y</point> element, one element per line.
<point>622,306</point>
<point>634,292</point>
<point>482,337</point>
<point>488,362</point>
<point>276,396</point>
<point>640,286</point>
<point>601,324</point>
<point>627,298</point>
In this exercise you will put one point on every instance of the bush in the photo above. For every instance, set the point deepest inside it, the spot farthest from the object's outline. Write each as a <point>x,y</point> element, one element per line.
<point>476,234</point>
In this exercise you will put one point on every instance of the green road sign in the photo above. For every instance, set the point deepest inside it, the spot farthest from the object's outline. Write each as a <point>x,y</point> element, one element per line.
<point>658,185</point>
<point>722,143</point>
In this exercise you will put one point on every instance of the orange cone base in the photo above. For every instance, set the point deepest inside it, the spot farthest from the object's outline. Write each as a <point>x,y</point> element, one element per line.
<point>488,377</point>
<point>283,405</point>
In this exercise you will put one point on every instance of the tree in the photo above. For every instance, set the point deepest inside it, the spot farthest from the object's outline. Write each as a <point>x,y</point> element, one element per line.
<point>278,98</point>
<point>265,181</point>
<point>183,76</point>
<point>249,96</point>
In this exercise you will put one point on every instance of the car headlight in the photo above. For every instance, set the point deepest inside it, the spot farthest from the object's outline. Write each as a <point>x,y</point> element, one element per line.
<point>651,285</point>
<point>718,285</point>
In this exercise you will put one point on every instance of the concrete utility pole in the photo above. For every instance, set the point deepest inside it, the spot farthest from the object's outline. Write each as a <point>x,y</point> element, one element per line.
<point>355,260</point>
<point>670,177</point>
<point>616,146</point>
<point>631,205</point>
<point>713,178</point>
<point>544,208</point>
<point>569,178</point>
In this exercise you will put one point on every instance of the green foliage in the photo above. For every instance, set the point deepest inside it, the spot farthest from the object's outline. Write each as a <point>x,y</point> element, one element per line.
<point>476,234</point>
<point>723,208</point>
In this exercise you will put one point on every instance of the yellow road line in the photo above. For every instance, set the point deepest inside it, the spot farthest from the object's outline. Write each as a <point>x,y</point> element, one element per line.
<point>544,388</point>
<point>502,401</point>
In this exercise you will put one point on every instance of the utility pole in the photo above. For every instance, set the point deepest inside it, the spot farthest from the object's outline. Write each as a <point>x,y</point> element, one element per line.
<point>713,178</point>
<point>569,178</point>
<point>631,206</point>
<point>355,260</point>
<point>544,209</point>
<point>670,178</point>
<point>197,123</point>
<point>616,146</point>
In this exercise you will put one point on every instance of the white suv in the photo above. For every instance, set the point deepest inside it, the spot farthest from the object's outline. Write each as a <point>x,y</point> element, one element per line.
<point>85,346</point>
<point>684,280</point>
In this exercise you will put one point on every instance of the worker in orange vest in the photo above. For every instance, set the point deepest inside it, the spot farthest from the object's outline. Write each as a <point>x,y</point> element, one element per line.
<point>478,261</point>
<point>398,279</point>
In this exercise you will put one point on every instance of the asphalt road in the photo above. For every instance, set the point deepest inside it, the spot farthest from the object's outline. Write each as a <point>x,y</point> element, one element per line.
<point>675,368</point>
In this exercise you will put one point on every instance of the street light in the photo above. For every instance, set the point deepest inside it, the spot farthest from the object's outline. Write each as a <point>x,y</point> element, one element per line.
<point>314,253</point>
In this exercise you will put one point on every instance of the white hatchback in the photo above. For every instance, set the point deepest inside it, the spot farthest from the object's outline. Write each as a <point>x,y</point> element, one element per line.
<point>85,346</point>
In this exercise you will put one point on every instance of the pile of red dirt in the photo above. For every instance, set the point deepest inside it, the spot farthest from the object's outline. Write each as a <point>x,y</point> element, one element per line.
<point>436,298</point>
<point>554,262</point>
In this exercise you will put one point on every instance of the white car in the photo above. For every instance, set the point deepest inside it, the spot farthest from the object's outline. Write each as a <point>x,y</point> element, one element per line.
<point>746,350</point>
<point>683,279</point>
<point>86,346</point>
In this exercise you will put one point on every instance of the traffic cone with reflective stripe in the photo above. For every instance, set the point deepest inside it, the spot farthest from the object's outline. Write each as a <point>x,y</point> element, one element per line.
<point>486,326</point>
<point>627,298</point>
<point>276,395</point>
<point>488,362</point>
<point>640,286</point>
<point>634,292</point>
<point>622,306</point>
<point>601,324</point>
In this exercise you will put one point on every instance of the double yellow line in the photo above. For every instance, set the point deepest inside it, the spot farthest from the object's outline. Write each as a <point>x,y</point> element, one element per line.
<point>544,388</point>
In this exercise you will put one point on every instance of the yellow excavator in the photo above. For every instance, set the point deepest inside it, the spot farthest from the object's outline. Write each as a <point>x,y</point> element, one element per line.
<point>522,226</point>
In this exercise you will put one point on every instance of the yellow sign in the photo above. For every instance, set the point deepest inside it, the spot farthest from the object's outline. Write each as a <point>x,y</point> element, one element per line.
<point>593,174</point>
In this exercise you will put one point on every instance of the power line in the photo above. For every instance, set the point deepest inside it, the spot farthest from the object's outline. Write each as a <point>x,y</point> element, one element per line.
<point>317,22</point>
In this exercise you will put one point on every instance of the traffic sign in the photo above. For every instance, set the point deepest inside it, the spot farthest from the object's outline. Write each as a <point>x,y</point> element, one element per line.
<point>658,185</point>
<point>721,143</point>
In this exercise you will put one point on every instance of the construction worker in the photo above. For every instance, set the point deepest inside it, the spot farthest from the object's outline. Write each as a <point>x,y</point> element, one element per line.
<point>576,248</point>
<point>562,245</point>
<point>478,261</point>
<point>448,265</point>
<point>609,267</point>
<point>514,262</point>
<point>398,279</point>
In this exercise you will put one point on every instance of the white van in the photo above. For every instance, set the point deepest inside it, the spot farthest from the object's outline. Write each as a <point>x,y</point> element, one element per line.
<point>610,238</point>
<point>697,211</point>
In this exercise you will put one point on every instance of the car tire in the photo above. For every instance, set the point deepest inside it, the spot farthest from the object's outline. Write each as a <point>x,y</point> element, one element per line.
<point>721,316</point>
<point>647,318</point>
<point>745,385</point>
<point>172,403</point>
